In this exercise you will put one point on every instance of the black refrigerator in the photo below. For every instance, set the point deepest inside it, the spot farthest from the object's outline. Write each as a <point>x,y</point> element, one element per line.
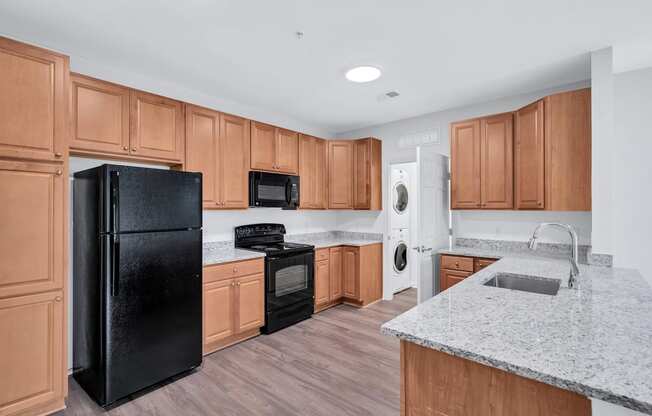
<point>137,286</point>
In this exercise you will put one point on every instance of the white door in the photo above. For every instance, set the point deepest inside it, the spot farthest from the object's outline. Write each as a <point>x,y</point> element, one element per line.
<point>433,217</point>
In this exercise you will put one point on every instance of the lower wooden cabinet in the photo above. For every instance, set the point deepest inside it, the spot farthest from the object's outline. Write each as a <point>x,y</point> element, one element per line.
<point>335,274</point>
<point>454,269</point>
<point>234,303</point>
<point>33,374</point>
<point>322,284</point>
<point>350,269</point>
<point>452,277</point>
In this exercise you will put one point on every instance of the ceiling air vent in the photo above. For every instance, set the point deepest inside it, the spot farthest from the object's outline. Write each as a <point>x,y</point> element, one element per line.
<point>392,94</point>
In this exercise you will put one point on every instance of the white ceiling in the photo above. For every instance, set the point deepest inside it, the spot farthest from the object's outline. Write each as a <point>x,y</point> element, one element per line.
<point>437,54</point>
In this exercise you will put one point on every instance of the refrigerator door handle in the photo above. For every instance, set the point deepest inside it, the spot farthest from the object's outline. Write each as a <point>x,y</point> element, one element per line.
<point>115,265</point>
<point>115,202</point>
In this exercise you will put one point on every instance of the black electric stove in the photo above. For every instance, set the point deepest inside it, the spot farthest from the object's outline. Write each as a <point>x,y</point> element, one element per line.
<point>289,274</point>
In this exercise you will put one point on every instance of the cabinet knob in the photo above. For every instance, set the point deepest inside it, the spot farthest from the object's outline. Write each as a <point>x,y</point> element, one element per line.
<point>58,172</point>
<point>235,270</point>
<point>58,299</point>
<point>125,148</point>
<point>58,154</point>
<point>217,203</point>
<point>457,264</point>
<point>133,149</point>
<point>232,284</point>
<point>539,203</point>
<point>237,284</point>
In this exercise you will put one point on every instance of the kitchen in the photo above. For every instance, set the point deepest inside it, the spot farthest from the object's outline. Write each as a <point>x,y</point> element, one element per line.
<point>319,200</point>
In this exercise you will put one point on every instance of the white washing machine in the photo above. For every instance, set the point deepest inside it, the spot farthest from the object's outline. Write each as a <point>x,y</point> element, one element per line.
<point>400,212</point>
<point>400,259</point>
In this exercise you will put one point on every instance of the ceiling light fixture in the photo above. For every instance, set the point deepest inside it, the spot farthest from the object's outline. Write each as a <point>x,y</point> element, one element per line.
<point>364,73</point>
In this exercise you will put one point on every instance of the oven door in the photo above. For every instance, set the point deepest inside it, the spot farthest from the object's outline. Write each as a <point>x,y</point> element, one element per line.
<point>273,190</point>
<point>290,280</point>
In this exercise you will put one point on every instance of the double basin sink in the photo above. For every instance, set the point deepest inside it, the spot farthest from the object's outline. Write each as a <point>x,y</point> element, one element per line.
<point>525,283</point>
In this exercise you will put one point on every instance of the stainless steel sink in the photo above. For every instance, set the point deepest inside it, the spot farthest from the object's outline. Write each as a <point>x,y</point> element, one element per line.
<point>524,283</point>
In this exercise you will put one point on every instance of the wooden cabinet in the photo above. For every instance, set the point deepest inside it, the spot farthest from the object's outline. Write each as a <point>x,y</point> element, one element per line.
<point>217,145</point>
<point>465,165</point>
<point>335,272</point>
<point>234,302</point>
<point>496,162</point>
<point>529,157</point>
<point>313,172</point>
<point>340,173</point>
<point>367,179</point>
<point>32,354</point>
<point>274,149</point>
<point>350,268</point>
<point>452,277</point>
<point>479,264</point>
<point>454,269</point>
<point>362,274</point>
<point>322,284</point>
<point>33,103</point>
<point>32,220</point>
<point>157,127</point>
<point>568,151</point>
<point>100,116</point>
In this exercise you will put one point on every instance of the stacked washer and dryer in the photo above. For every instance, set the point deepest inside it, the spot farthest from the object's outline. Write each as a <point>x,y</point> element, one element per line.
<point>400,226</point>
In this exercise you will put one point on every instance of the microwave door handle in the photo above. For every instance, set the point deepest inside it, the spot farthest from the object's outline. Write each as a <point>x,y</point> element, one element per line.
<point>288,191</point>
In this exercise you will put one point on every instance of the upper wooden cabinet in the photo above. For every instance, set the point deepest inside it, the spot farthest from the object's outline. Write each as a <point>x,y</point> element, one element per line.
<point>100,116</point>
<point>217,145</point>
<point>33,102</point>
<point>530,157</point>
<point>33,225</point>
<point>340,173</point>
<point>313,171</point>
<point>367,179</point>
<point>568,151</point>
<point>157,127</point>
<point>538,157</point>
<point>274,149</point>
<point>465,164</point>
<point>496,164</point>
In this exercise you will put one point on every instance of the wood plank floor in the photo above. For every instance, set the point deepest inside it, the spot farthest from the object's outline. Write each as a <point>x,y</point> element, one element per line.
<point>336,363</point>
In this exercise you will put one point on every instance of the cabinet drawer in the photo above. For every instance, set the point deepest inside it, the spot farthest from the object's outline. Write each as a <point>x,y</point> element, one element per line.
<point>457,263</point>
<point>321,254</point>
<point>480,264</point>
<point>233,269</point>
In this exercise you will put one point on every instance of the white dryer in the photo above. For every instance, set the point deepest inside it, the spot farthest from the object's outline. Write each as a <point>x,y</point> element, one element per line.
<point>400,212</point>
<point>400,259</point>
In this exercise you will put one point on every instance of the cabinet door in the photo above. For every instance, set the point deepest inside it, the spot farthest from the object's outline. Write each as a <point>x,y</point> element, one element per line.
<point>497,166</point>
<point>307,171</point>
<point>335,272</point>
<point>568,151</point>
<point>156,127</point>
<point>234,154</point>
<point>449,278</point>
<point>321,175</point>
<point>202,141</point>
<point>361,178</point>
<point>31,351</point>
<point>340,156</point>
<point>287,151</point>
<point>350,268</point>
<point>219,317</point>
<point>33,102</point>
<point>250,302</point>
<point>465,165</point>
<point>32,221</point>
<point>100,116</point>
<point>529,157</point>
<point>322,283</point>
<point>263,146</point>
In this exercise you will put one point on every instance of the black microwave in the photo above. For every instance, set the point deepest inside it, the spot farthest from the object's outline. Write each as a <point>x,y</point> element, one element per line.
<point>273,190</point>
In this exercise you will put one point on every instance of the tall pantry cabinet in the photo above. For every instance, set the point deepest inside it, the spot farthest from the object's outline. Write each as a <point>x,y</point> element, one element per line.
<point>33,244</point>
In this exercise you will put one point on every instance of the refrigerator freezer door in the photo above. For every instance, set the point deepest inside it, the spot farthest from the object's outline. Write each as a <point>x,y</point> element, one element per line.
<point>153,310</point>
<point>142,199</point>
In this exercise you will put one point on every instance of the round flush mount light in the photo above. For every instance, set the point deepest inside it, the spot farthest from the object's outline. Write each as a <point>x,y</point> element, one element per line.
<point>365,73</point>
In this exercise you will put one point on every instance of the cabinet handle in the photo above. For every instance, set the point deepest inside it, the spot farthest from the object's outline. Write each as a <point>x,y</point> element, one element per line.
<point>58,155</point>
<point>133,149</point>
<point>235,270</point>
<point>58,172</point>
<point>58,299</point>
<point>125,148</point>
<point>217,203</point>
<point>238,284</point>
<point>457,264</point>
<point>232,284</point>
<point>539,203</point>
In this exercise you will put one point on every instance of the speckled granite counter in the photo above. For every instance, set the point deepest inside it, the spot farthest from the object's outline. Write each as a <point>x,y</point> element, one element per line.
<point>224,252</point>
<point>336,238</point>
<point>594,340</point>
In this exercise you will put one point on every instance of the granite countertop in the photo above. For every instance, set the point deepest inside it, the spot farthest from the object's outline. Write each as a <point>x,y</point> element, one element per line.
<point>593,339</point>
<point>224,252</point>
<point>336,238</point>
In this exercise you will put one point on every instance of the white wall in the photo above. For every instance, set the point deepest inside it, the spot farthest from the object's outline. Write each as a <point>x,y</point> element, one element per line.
<point>510,225</point>
<point>632,170</point>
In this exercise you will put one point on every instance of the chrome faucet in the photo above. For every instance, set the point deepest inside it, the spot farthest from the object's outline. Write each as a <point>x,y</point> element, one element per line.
<point>575,270</point>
